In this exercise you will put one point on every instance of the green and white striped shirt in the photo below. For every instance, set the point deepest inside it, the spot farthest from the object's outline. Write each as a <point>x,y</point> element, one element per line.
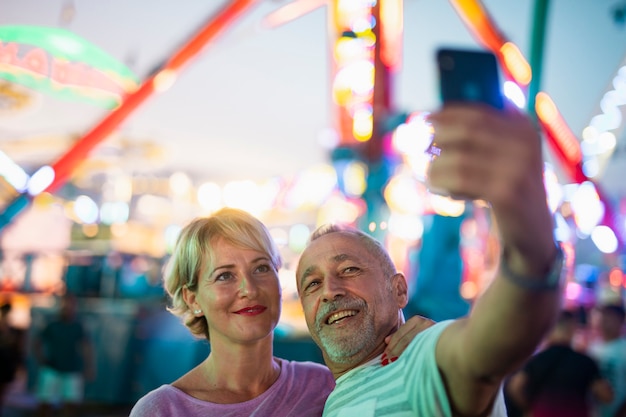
<point>409,387</point>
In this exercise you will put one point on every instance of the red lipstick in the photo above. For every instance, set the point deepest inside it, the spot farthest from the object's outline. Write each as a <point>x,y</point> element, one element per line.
<point>252,310</point>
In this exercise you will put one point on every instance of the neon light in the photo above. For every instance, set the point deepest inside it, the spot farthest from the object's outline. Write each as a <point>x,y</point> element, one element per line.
<point>392,28</point>
<point>292,11</point>
<point>58,62</point>
<point>64,166</point>
<point>475,16</point>
<point>553,121</point>
<point>516,63</point>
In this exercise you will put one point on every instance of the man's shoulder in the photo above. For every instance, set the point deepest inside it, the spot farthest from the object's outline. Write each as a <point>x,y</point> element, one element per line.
<point>430,335</point>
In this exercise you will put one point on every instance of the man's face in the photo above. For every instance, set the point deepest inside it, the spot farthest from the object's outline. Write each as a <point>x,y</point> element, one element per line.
<point>349,304</point>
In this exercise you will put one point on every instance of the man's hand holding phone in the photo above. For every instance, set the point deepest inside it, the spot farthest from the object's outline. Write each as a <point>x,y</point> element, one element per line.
<point>489,152</point>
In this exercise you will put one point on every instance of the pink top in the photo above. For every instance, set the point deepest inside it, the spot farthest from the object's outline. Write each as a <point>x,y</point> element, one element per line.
<point>300,390</point>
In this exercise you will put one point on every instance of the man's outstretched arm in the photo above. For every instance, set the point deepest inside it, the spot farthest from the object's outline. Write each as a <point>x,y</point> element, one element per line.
<point>496,156</point>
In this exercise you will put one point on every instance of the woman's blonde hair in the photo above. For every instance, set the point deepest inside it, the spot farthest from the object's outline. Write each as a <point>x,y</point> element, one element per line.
<point>194,252</point>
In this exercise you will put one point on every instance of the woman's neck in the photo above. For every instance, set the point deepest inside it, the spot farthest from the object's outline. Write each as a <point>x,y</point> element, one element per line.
<point>232,374</point>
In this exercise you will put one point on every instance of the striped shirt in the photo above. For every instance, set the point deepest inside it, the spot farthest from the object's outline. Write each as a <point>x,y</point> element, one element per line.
<point>411,386</point>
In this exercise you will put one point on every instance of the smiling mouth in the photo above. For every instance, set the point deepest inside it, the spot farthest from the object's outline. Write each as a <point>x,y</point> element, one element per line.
<point>251,310</point>
<point>340,315</point>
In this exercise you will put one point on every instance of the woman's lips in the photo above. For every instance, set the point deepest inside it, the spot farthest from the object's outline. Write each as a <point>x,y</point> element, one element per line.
<point>251,311</point>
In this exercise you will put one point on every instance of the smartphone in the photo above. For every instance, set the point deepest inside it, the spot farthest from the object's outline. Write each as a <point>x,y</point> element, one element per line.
<point>469,76</point>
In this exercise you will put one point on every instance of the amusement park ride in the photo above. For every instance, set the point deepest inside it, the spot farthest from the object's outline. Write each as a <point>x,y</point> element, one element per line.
<point>366,43</point>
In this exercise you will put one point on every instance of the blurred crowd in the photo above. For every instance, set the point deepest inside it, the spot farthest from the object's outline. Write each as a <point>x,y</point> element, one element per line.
<point>578,371</point>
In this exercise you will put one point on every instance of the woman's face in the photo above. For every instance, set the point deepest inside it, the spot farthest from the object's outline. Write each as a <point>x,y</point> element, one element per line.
<point>240,297</point>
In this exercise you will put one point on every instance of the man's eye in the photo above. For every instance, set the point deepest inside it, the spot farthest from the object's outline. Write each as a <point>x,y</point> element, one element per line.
<point>351,270</point>
<point>312,285</point>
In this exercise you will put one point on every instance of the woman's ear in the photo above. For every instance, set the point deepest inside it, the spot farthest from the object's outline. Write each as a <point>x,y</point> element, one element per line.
<point>190,299</point>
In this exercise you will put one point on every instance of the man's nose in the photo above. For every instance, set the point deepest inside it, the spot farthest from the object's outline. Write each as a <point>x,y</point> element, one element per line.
<point>333,289</point>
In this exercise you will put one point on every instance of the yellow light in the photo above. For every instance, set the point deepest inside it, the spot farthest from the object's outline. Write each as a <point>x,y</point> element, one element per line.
<point>164,80</point>
<point>119,229</point>
<point>363,125</point>
<point>446,206</point>
<point>545,107</point>
<point>43,200</point>
<point>90,230</point>
<point>469,290</point>
<point>516,63</point>
<point>403,195</point>
<point>354,178</point>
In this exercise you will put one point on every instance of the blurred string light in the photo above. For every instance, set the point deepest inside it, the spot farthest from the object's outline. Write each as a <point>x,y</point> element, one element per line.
<point>114,212</point>
<point>180,184</point>
<point>171,235</point>
<point>616,277</point>
<point>40,180</point>
<point>599,138</point>
<point>243,195</point>
<point>446,206</point>
<point>403,194</point>
<point>354,178</point>
<point>13,173</point>
<point>298,237</point>
<point>411,140</point>
<point>587,208</point>
<point>406,226</point>
<point>515,63</point>
<point>554,190</point>
<point>339,209</point>
<point>573,291</point>
<point>312,187</point>
<point>604,239</point>
<point>562,230</point>
<point>353,69</point>
<point>209,195</point>
<point>514,93</point>
<point>86,209</point>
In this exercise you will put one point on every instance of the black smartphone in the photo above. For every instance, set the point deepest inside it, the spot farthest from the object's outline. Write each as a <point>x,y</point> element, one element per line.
<point>469,76</point>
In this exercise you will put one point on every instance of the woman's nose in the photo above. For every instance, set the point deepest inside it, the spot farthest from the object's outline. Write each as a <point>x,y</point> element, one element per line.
<point>248,287</point>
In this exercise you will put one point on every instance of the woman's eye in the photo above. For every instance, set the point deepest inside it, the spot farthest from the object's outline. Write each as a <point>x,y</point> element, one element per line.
<point>263,268</point>
<point>225,276</point>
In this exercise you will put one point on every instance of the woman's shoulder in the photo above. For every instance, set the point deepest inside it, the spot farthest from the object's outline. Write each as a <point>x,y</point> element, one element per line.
<point>305,366</point>
<point>152,402</point>
<point>307,370</point>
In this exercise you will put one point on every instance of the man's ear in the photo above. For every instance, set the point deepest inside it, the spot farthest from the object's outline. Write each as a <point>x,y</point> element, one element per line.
<point>401,289</point>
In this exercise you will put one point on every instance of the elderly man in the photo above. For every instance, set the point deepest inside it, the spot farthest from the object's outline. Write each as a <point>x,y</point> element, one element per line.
<point>352,295</point>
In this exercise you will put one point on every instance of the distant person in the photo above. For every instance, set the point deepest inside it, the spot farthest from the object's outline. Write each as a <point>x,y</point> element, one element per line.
<point>223,282</point>
<point>65,356</point>
<point>610,353</point>
<point>559,381</point>
<point>11,351</point>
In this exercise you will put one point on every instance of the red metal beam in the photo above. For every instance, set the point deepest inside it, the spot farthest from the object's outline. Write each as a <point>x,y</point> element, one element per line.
<point>215,26</point>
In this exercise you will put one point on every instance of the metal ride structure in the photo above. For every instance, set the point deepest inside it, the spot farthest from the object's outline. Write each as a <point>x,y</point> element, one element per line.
<point>363,115</point>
